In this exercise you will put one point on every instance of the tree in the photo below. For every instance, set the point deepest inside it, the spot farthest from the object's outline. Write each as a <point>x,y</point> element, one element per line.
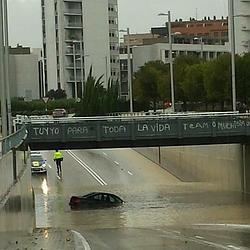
<point>193,84</point>
<point>150,83</point>
<point>92,99</point>
<point>217,79</point>
<point>111,96</point>
<point>57,94</point>
<point>181,64</point>
<point>243,78</point>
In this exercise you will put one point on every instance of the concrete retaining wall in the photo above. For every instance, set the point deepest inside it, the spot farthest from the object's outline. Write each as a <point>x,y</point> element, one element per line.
<point>218,164</point>
<point>16,200</point>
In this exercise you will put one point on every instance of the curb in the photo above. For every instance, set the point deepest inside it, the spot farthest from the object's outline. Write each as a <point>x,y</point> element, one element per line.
<point>80,241</point>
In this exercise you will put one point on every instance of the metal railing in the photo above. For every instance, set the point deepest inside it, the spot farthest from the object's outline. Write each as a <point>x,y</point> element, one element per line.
<point>13,141</point>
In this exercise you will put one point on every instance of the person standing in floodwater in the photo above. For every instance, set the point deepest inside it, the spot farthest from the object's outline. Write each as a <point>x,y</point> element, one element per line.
<point>58,158</point>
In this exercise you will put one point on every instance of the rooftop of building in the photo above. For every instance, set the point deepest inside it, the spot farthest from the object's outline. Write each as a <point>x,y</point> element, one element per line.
<point>19,50</point>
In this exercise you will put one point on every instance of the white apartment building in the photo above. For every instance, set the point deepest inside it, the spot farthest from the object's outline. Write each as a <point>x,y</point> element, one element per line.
<point>242,26</point>
<point>78,35</point>
<point>25,73</point>
<point>160,52</point>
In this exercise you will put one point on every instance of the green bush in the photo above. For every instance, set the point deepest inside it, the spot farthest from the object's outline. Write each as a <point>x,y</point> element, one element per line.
<point>38,107</point>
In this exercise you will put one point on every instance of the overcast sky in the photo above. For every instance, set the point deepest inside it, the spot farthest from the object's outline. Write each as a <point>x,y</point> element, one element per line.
<point>138,15</point>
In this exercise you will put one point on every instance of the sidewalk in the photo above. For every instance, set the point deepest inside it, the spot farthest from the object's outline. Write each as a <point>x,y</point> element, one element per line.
<point>44,239</point>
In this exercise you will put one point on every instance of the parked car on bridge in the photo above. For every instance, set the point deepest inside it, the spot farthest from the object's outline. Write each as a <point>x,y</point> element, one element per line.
<point>38,163</point>
<point>57,113</point>
<point>95,200</point>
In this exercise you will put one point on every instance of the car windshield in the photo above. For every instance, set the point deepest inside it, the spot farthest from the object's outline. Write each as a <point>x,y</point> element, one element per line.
<point>37,158</point>
<point>59,110</point>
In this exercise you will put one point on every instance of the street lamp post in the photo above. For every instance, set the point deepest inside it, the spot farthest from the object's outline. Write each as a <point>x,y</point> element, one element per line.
<point>74,65</point>
<point>129,74</point>
<point>170,57</point>
<point>232,43</point>
<point>130,87</point>
<point>2,74</point>
<point>81,53</point>
<point>7,80</point>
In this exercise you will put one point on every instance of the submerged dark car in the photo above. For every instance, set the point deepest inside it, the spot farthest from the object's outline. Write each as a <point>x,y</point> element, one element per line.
<point>95,200</point>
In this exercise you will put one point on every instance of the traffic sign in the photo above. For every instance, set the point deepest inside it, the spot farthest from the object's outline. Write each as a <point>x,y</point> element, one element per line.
<point>45,99</point>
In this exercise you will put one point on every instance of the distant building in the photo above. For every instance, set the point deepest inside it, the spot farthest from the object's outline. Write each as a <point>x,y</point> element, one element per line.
<point>160,52</point>
<point>210,30</point>
<point>78,35</point>
<point>25,73</point>
<point>242,26</point>
<point>206,38</point>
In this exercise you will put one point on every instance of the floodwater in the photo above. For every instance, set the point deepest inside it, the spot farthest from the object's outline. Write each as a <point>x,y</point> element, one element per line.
<point>160,212</point>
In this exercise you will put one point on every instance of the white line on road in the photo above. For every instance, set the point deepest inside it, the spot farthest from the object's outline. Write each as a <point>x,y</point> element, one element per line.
<point>116,162</point>
<point>239,226</point>
<point>87,168</point>
<point>130,173</point>
<point>234,247</point>
<point>80,242</point>
<point>104,153</point>
<point>199,237</point>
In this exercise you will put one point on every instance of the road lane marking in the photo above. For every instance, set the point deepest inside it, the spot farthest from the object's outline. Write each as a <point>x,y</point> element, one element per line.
<point>87,168</point>
<point>130,173</point>
<point>234,247</point>
<point>199,237</point>
<point>104,153</point>
<point>194,239</point>
<point>225,225</point>
<point>117,163</point>
<point>81,242</point>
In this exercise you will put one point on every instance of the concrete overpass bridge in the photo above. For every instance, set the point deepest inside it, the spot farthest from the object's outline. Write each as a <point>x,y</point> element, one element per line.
<point>144,131</point>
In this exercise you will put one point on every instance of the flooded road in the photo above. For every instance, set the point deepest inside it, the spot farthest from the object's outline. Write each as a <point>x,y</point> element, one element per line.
<point>160,212</point>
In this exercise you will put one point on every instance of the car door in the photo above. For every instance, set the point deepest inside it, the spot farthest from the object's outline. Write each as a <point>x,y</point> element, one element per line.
<point>95,200</point>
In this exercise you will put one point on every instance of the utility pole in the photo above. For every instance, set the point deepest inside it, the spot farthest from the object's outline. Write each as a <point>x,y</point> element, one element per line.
<point>74,65</point>
<point>170,56</point>
<point>129,74</point>
<point>7,78</point>
<point>232,45</point>
<point>2,74</point>
<point>171,61</point>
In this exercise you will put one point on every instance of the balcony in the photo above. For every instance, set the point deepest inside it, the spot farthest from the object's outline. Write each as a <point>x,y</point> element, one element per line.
<point>74,26</point>
<point>73,12</point>
<point>72,79</point>
<point>73,1</point>
<point>71,65</point>
<point>245,27</point>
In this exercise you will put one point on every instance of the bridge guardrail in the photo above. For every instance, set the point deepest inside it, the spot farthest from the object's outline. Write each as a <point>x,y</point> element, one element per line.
<point>13,141</point>
<point>138,128</point>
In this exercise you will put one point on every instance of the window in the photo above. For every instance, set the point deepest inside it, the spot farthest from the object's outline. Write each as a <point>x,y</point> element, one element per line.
<point>97,197</point>
<point>112,199</point>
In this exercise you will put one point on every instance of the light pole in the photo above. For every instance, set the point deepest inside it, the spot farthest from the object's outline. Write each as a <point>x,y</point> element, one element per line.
<point>170,57</point>
<point>81,53</point>
<point>129,71</point>
<point>232,43</point>
<point>7,79</point>
<point>200,39</point>
<point>2,74</point>
<point>74,65</point>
